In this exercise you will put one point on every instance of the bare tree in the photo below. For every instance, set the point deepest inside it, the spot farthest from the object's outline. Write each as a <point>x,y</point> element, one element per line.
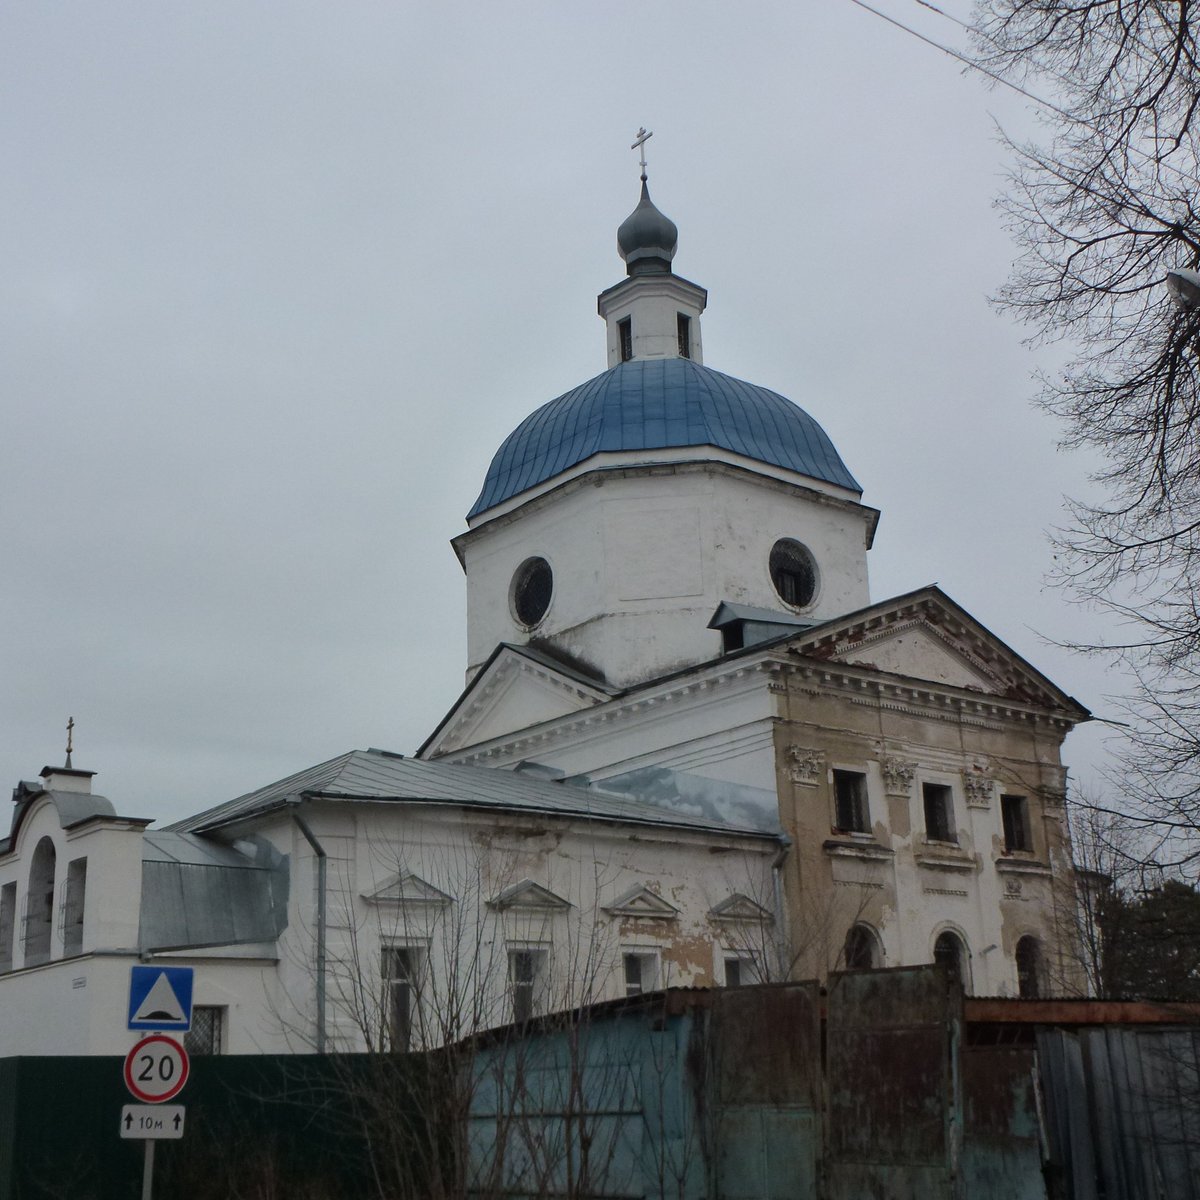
<point>1103,206</point>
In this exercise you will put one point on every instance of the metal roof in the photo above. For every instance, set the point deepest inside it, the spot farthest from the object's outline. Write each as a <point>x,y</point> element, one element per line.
<point>380,776</point>
<point>656,404</point>
<point>196,892</point>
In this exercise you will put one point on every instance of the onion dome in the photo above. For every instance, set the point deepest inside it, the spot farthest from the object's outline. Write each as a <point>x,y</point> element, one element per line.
<point>657,404</point>
<point>647,239</point>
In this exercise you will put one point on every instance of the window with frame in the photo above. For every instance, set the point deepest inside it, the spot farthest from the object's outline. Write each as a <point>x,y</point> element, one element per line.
<point>204,1037</point>
<point>939,812</point>
<point>640,969</point>
<point>793,572</point>
<point>401,971</point>
<point>625,337</point>
<point>73,906</point>
<point>741,970</point>
<point>850,801</point>
<point>8,925</point>
<point>1014,813</point>
<point>526,970</point>
<point>683,325</point>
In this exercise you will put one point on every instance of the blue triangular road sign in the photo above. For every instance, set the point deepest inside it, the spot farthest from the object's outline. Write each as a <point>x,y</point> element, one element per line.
<point>160,998</point>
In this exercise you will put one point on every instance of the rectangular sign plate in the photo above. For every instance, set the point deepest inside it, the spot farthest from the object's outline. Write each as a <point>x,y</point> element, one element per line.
<point>160,998</point>
<point>152,1121</point>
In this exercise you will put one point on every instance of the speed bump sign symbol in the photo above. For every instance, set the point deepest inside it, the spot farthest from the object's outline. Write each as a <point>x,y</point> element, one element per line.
<point>156,1069</point>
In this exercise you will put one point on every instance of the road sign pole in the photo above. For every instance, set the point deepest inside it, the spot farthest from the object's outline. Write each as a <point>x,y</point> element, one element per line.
<point>148,1172</point>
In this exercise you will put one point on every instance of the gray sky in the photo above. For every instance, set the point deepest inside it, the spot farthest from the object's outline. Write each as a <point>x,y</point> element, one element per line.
<point>277,279</point>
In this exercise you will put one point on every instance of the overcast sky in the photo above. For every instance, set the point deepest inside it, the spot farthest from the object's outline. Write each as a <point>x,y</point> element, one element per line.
<point>278,278</point>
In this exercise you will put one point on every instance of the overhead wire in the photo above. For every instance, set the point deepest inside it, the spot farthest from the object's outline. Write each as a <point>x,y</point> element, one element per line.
<point>970,64</point>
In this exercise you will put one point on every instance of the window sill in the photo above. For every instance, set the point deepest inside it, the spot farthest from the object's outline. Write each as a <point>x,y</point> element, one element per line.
<point>944,856</point>
<point>862,845</point>
<point>1022,864</point>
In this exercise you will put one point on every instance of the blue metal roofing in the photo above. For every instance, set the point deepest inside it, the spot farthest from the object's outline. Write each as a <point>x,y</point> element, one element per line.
<point>655,404</point>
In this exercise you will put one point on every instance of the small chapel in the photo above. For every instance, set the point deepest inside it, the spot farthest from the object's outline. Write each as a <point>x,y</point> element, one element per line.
<point>692,749</point>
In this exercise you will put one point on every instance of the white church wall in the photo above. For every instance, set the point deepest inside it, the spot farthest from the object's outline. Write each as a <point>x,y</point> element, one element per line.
<point>716,727</point>
<point>428,880</point>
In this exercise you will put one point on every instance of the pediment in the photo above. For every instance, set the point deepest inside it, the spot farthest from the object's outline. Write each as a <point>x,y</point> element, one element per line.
<point>528,896</point>
<point>917,652</point>
<point>642,902</point>
<point>512,691</point>
<point>740,908</point>
<point>925,636</point>
<point>408,890</point>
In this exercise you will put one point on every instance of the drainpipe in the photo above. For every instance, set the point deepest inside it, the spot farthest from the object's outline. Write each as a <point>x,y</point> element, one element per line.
<point>319,851</point>
<point>781,923</point>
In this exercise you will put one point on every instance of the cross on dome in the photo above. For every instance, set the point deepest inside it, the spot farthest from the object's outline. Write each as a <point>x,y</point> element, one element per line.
<point>640,143</point>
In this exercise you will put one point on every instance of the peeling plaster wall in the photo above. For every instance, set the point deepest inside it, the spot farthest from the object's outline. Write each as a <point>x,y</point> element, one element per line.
<point>464,940</point>
<point>894,879</point>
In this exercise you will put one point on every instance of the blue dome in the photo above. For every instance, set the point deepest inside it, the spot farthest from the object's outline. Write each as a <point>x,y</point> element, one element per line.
<point>655,404</point>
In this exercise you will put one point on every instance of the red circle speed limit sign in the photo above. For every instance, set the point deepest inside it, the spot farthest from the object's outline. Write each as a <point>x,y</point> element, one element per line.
<point>156,1069</point>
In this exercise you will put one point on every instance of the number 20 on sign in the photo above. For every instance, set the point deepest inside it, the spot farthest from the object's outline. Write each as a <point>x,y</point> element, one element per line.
<point>156,1069</point>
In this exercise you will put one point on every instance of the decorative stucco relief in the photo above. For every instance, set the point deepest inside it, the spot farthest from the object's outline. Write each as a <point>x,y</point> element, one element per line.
<point>898,774</point>
<point>805,764</point>
<point>979,790</point>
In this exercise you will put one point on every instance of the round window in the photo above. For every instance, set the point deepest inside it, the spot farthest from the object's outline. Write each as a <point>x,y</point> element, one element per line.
<point>793,572</point>
<point>532,587</point>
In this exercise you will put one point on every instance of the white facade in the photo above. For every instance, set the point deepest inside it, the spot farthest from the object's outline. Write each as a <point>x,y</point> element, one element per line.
<point>642,557</point>
<point>431,913</point>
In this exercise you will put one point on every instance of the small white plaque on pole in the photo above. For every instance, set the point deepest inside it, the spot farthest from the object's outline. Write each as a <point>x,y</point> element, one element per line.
<point>145,1121</point>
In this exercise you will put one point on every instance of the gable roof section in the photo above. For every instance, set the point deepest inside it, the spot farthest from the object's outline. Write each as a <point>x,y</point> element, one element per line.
<point>563,688</point>
<point>530,896</point>
<point>409,891</point>
<point>967,657</point>
<point>378,776</point>
<point>945,641</point>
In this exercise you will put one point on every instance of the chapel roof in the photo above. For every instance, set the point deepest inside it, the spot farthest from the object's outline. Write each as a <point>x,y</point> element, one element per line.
<point>376,775</point>
<point>657,404</point>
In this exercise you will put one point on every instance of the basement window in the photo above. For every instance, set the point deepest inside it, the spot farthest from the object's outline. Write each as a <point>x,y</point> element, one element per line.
<point>625,338</point>
<point>684,325</point>
<point>850,796</point>
<point>204,1037</point>
<point>1014,811</point>
<point>939,812</point>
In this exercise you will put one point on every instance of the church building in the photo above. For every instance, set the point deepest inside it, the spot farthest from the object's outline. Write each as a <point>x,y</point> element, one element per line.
<point>691,749</point>
<point>667,595</point>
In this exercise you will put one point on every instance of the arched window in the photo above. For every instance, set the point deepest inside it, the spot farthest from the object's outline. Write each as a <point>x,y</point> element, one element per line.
<point>39,904</point>
<point>951,952</point>
<point>861,951</point>
<point>1029,968</point>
